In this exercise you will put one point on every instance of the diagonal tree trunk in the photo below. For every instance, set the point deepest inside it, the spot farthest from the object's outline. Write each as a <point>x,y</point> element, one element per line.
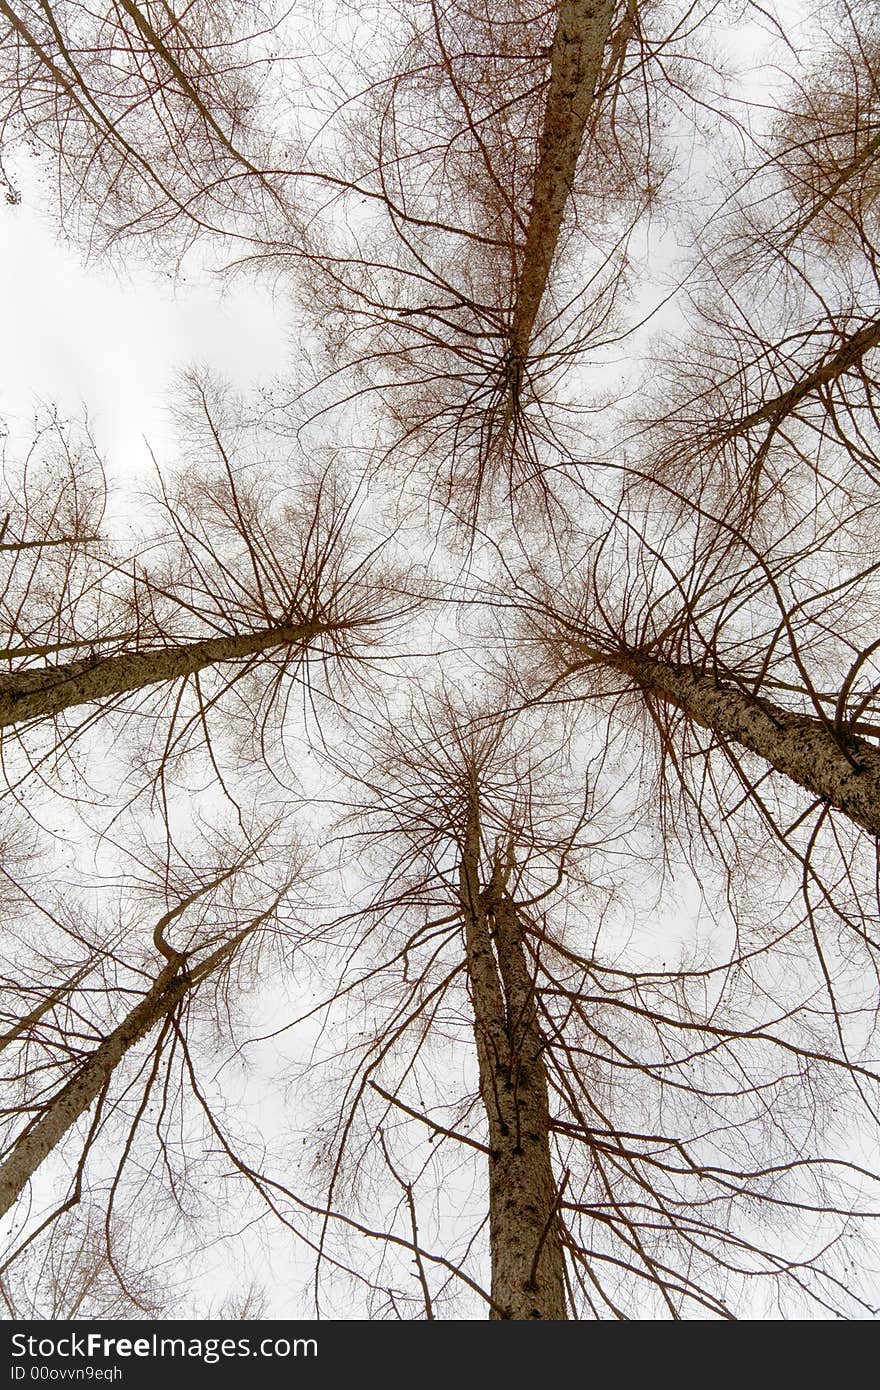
<point>76,1097</point>
<point>63,1110</point>
<point>862,159</point>
<point>840,768</point>
<point>582,30</point>
<point>527,1256</point>
<point>850,353</point>
<point>30,1020</point>
<point>44,692</point>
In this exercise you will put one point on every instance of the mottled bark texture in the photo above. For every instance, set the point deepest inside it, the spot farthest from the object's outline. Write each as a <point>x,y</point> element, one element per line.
<point>44,692</point>
<point>582,29</point>
<point>528,1280</point>
<point>833,764</point>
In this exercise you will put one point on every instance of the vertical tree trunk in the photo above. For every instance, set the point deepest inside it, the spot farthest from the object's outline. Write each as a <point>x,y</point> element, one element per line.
<point>582,29</point>
<point>527,1257</point>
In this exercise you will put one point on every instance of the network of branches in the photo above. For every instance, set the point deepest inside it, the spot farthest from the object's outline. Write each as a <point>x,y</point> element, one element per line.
<point>439,812</point>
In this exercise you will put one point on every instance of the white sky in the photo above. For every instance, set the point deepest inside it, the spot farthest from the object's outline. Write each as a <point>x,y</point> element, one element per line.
<point>83,336</point>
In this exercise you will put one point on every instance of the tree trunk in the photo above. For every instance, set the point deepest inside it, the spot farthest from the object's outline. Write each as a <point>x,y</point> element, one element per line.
<point>80,1092</point>
<point>582,29</point>
<point>527,1257</point>
<point>75,1098</point>
<point>30,1020</point>
<point>838,767</point>
<point>44,692</point>
<point>837,364</point>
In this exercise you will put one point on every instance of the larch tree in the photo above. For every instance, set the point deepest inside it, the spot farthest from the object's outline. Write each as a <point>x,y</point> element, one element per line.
<point>514,649</point>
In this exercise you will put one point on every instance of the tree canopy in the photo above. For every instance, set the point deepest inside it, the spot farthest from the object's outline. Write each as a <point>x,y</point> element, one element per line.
<point>439,827</point>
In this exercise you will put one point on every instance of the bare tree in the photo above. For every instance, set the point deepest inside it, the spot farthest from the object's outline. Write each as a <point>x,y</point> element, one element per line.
<point>69,1275</point>
<point>152,118</point>
<point>89,1060</point>
<point>476,247</point>
<point>583,1022</point>
<point>780,365</point>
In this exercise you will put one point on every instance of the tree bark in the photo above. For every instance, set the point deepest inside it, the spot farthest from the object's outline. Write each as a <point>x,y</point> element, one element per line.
<point>527,1256</point>
<point>30,1020</point>
<point>582,30</point>
<point>850,353</point>
<point>63,1110</point>
<point>839,767</point>
<point>75,1098</point>
<point>47,691</point>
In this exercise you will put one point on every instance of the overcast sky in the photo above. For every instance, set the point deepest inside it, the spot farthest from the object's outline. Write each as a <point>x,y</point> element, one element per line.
<point>87,337</point>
